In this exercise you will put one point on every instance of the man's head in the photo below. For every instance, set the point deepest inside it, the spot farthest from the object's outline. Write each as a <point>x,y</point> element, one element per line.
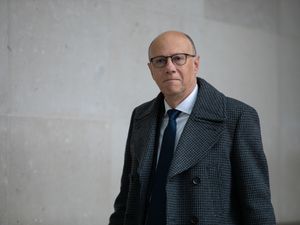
<point>174,65</point>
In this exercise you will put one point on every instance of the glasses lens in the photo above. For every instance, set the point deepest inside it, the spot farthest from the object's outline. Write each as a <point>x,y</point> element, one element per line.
<point>159,61</point>
<point>179,59</point>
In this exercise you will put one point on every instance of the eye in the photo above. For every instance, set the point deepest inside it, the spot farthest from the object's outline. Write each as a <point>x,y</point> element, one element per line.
<point>178,58</point>
<point>159,60</point>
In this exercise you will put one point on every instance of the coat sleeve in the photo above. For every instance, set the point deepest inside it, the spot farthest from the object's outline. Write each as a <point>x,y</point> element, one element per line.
<point>118,216</point>
<point>251,172</point>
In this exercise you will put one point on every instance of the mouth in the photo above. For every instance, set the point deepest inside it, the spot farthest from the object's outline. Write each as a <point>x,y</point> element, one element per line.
<point>170,80</point>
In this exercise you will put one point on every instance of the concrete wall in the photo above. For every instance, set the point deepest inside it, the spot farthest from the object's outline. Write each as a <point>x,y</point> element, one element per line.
<point>72,71</point>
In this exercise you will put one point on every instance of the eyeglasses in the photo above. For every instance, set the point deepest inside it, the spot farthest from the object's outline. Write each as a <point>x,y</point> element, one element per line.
<point>178,59</point>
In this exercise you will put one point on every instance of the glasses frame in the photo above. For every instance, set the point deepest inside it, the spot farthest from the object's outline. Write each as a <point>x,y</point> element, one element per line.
<point>171,57</point>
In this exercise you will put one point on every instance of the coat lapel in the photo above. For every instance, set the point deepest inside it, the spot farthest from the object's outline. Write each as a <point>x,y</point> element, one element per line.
<point>145,130</point>
<point>202,130</point>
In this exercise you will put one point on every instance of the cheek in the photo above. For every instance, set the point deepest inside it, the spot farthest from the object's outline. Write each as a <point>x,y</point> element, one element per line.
<point>156,78</point>
<point>189,75</point>
<point>154,73</point>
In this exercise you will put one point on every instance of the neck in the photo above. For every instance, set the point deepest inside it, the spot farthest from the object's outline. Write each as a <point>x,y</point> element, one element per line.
<point>175,100</point>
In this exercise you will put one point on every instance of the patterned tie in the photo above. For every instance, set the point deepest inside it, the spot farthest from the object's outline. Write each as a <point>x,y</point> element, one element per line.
<point>157,208</point>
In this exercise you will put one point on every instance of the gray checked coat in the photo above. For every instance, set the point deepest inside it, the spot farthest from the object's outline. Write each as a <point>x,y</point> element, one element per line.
<point>219,172</point>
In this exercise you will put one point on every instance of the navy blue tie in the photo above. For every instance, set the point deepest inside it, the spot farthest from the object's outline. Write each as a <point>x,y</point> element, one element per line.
<point>156,214</point>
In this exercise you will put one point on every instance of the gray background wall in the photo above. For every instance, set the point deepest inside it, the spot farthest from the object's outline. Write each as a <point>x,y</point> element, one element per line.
<point>72,71</point>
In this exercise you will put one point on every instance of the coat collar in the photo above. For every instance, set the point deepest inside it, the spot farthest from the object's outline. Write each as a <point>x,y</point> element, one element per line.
<point>210,103</point>
<point>201,131</point>
<point>146,125</point>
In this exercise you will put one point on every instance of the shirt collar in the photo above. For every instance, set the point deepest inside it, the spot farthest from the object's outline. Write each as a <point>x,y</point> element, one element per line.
<point>186,106</point>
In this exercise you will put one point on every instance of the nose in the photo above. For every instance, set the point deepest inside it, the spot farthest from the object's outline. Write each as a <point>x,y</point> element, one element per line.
<point>170,67</point>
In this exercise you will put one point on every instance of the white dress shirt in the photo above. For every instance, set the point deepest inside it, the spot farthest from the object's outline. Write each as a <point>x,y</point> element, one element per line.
<point>186,107</point>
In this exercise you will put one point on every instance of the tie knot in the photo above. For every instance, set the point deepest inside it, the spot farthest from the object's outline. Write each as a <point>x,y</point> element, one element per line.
<point>173,114</point>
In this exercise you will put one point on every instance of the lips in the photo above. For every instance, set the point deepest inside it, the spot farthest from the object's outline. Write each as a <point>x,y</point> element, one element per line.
<point>170,80</point>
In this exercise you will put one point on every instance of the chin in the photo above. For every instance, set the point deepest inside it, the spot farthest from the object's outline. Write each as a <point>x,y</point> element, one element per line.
<point>173,93</point>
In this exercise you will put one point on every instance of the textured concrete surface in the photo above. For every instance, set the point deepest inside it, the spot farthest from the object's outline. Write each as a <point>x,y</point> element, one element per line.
<point>72,71</point>
<point>252,13</point>
<point>55,171</point>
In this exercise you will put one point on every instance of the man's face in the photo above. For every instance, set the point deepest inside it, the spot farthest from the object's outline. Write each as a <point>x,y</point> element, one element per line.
<point>174,81</point>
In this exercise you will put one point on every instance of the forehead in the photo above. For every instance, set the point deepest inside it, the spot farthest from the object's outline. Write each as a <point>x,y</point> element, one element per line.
<point>170,44</point>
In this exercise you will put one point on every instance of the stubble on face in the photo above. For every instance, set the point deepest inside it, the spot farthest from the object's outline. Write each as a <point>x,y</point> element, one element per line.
<point>175,82</point>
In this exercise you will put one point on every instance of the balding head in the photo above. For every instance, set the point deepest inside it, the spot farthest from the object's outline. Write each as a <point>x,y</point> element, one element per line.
<point>171,36</point>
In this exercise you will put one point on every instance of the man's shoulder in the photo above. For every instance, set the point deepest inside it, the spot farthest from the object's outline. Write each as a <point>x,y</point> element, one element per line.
<point>235,104</point>
<point>236,109</point>
<point>212,100</point>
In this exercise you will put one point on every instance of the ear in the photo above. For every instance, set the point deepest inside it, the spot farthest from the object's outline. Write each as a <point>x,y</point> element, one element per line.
<point>150,68</point>
<point>196,64</point>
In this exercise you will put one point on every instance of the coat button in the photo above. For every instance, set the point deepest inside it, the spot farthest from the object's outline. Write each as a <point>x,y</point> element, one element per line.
<point>194,220</point>
<point>196,180</point>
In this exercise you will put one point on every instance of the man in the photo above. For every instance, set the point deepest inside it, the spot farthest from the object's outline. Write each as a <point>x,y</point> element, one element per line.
<point>193,155</point>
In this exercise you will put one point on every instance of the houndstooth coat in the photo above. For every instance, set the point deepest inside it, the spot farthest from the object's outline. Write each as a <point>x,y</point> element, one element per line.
<point>218,175</point>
